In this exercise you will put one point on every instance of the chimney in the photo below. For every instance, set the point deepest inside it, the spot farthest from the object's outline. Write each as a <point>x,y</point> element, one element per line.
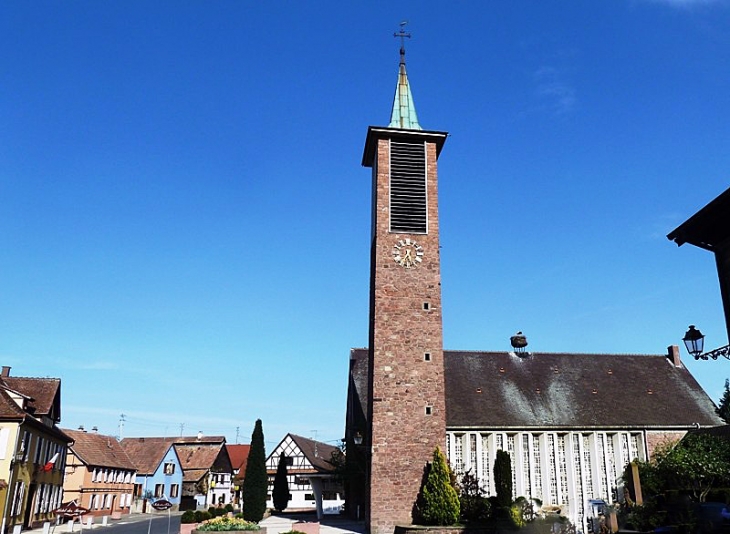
<point>81,427</point>
<point>200,435</point>
<point>6,370</point>
<point>673,355</point>
<point>95,429</point>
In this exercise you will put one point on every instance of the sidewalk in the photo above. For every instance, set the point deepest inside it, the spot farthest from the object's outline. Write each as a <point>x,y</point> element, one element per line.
<point>330,524</point>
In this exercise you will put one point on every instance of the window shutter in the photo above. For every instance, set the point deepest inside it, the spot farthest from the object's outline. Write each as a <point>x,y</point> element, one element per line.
<point>408,203</point>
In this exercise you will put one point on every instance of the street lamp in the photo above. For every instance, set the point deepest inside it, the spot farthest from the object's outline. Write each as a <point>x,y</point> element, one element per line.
<point>694,341</point>
<point>357,438</point>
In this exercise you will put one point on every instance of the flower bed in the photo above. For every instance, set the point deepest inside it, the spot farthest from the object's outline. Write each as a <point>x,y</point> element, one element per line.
<point>227,524</point>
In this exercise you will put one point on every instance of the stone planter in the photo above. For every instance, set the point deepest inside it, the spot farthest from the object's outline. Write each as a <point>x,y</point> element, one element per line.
<point>262,530</point>
<point>306,526</point>
<point>187,528</point>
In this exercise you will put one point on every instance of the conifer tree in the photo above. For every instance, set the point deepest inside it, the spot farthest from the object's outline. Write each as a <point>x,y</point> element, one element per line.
<point>438,502</point>
<point>723,408</point>
<point>280,494</point>
<point>503,478</point>
<point>255,482</point>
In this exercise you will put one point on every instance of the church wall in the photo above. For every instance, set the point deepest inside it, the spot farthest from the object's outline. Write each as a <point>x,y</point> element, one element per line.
<point>564,469</point>
<point>656,439</point>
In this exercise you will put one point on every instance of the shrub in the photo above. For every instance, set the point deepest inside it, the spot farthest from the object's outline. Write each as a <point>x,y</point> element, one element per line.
<point>228,508</point>
<point>226,524</point>
<point>474,506</point>
<point>202,515</point>
<point>438,502</point>
<point>503,478</point>
<point>212,511</point>
<point>281,485</point>
<point>188,517</point>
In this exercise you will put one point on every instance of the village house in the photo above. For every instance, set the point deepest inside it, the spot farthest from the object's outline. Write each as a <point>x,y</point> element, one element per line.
<point>159,471</point>
<point>32,450</point>
<point>99,474</point>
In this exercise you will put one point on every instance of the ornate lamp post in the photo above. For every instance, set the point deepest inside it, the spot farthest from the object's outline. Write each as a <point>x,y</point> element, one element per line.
<point>694,341</point>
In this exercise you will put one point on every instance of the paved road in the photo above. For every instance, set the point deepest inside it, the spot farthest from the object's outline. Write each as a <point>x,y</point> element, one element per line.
<point>131,524</point>
<point>158,524</point>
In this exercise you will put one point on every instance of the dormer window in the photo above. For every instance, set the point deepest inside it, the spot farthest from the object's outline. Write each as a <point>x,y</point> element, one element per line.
<point>169,468</point>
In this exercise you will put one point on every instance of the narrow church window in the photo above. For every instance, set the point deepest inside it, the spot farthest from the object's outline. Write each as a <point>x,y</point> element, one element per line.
<point>408,211</point>
<point>426,356</point>
<point>429,410</point>
<point>426,306</point>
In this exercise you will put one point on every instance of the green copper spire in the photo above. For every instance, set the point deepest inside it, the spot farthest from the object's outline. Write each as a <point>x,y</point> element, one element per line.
<point>404,110</point>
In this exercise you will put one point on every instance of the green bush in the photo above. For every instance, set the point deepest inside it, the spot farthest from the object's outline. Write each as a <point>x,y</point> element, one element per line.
<point>228,508</point>
<point>503,478</point>
<point>438,502</point>
<point>202,515</point>
<point>474,506</point>
<point>188,517</point>
<point>281,495</point>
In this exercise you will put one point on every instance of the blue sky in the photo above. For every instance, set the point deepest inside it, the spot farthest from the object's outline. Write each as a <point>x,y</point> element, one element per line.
<point>185,226</point>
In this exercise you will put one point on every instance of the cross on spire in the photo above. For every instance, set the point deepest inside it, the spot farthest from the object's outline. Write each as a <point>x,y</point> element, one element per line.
<point>402,33</point>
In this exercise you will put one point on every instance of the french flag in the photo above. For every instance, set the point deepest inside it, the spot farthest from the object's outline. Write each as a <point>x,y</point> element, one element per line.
<point>50,463</point>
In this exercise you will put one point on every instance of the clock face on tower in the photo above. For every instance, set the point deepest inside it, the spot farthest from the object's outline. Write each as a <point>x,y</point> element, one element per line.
<point>407,253</point>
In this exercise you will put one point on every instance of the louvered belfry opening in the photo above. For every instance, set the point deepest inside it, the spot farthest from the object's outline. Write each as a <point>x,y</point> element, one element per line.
<point>408,209</point>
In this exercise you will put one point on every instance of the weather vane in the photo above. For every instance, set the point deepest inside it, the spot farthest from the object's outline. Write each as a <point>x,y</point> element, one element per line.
<point>402,33</point>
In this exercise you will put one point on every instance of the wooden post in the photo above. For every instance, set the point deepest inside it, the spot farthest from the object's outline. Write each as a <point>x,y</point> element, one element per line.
<point>636,482</point>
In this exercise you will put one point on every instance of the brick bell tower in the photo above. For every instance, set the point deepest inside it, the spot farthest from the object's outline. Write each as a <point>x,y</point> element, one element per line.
<point>406,407</point>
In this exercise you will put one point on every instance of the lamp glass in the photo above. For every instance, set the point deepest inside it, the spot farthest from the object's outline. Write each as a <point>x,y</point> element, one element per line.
<point>694,341</point>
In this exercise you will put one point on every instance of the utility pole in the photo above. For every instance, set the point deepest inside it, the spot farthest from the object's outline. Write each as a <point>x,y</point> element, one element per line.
<point>182,426</point>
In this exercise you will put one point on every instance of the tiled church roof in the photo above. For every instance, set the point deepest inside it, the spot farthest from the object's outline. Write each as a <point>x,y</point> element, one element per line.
<point>503,390</point>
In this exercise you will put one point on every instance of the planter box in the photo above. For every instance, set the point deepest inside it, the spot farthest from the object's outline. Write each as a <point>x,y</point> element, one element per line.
<point>187,528</point>
<point>306,527</point>
<point>262,530</point>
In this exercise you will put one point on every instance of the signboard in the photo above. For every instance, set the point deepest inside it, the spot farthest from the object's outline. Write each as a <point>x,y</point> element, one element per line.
<point>161,504</point>
<point>70,510</point>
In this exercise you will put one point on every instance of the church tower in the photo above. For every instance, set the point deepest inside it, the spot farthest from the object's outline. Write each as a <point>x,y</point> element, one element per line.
<point>406,407</point>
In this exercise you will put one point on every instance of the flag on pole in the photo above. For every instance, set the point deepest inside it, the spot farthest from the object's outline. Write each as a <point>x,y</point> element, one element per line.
<point>50,463</point>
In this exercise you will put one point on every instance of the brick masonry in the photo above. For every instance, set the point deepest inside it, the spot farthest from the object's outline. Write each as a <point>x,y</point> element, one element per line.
<point>403,382</point>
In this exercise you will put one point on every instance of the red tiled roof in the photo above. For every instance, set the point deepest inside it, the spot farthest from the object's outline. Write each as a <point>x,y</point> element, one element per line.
<point>43,392</point>
<point>239,456</point>
<point>98,450</point>
<point>198,456</point>
<point>147,453</point>
<point>9,409</point>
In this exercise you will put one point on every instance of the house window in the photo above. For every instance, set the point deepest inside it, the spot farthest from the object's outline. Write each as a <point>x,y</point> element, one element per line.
<point>159,490</point>
<point>169,468</point>
<point>289,460</point>
<point>309,496</point>
<point>25,446</point>
<point>174,490</point>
